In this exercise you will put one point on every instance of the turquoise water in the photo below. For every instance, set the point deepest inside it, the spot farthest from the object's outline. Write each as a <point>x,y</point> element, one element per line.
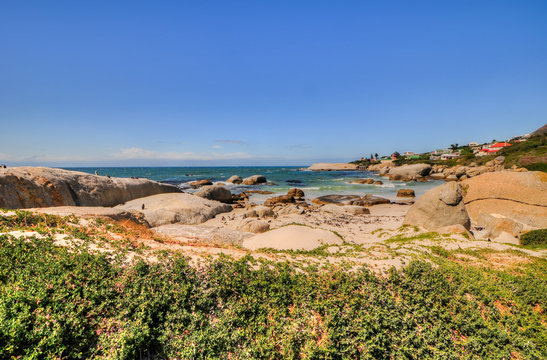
<point>314,183</point>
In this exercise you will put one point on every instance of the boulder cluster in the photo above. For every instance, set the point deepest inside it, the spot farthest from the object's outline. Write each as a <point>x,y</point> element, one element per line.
<point>425,172</point>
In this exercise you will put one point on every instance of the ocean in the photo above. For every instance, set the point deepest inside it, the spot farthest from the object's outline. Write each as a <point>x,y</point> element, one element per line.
<point>313,183</point>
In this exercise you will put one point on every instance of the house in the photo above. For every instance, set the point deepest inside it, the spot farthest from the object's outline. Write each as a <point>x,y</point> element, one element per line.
<point>499,146</point>
<point>449,156</point>
<point>409,153</point>
<point>473,144</point>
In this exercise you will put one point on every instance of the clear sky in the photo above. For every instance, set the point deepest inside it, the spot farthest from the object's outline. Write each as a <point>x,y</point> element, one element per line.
<point>264,82</point>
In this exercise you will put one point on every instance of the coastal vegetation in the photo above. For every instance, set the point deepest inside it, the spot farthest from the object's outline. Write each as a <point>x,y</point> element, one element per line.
<point>77,302</point>
<point>530,154</point>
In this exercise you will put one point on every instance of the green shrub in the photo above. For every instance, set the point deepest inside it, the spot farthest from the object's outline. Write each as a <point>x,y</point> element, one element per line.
<point>534,237</point>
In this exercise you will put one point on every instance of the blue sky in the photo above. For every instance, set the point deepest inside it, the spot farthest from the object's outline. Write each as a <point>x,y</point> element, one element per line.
<point>264,83</point>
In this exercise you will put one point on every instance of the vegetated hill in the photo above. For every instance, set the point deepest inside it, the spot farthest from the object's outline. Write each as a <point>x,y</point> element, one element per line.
<point>541,131</point>
<point>531,154</point>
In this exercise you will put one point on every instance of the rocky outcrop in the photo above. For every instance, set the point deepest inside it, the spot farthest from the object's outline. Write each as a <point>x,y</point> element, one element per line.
<point>405,193</point>
<point>409,172</point>
<point>296,193</point>
<point>292,237</point>
<point>344,209</point>
<point>236,179</point>
<point>362,181</point>
<point>438,208</point>
<point>253,225</point>
<point>259,211</point>
<point>371,200</point>
<point>283,199</point>
<point>32,187</point>
<point>215,192</point>
<point>336,199</point>
<point>255,180</point>
<point>332,167</point>
<point>176,208</point>
<point>521,196</point>
<point>200,183</point>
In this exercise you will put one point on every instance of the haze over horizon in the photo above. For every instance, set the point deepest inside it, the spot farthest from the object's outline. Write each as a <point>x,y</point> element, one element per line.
<point>247,83</point>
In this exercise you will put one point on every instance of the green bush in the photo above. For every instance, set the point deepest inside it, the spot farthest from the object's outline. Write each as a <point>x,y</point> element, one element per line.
<point>534,237</point>
<point>61,303</point>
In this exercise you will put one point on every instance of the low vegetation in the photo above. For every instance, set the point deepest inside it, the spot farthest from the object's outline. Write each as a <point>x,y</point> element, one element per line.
<point>534,237</point>
<point>74,303</point>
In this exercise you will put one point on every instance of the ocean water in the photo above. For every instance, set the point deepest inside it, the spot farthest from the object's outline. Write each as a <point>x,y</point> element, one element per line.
<point>314,183</point>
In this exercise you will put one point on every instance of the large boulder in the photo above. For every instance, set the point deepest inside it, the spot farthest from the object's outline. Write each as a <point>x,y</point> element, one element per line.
<point>255,180</point>
<point>409,172</point>
<point>521,196</point>
<point>253,225</point>
<point>292,237</point>
<point>344,210</point>
<point>32,187</point>
<point>438,208</point>
<point>332,167</point>
<point>235,179</point>
<point>176,208</point>
<point>371,200</point>
<point>336,199</point>
<point>215,192</point>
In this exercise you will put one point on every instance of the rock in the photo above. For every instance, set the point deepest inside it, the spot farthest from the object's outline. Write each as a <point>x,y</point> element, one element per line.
<point>336,199</point>
<point>500,160</point>
<point>406,193</point>
<point>292,237</point>
<point>362,181</point>
<point>409,172</point>
<point>215,192</point>
<point>295,192</point>
<point>460,171</point>
<point>332,167</point>
<point>33,187</point>
<point>290,210</point>
<point>255,180</point>
<point>378,182</point>
<point>451,178</point>
<point>176,208</point>
<point>521,196</point>
<point>384,171</point>
<point>206,234</point>
<point>262,192</point>
<point>495,224</point>
<point>264,211</point>
<point>344,209</point>
<point>250,213</point>
<point>439,207</point>
<point>490,163</point>
<point>438,176</point>
<point>240,197</point>
<point>253,226</point>
<point>91,212</point>
<point>235,179</point>
<point>283,199</point>
<point>477,171</point>
<point>371,200</point>
<point>463,177</point>
<point>200,183</point>
<point>453,229</point>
